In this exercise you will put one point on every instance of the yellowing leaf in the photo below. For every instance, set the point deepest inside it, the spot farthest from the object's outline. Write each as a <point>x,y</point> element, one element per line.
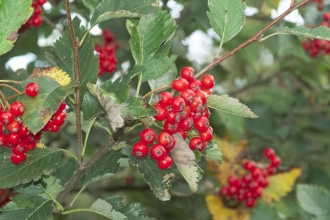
<point>280,185</point>
<point>41,145</point>
<point>220,212</point>
<point>268,6</point>
<point>53,72</point>
<point>231,159</point>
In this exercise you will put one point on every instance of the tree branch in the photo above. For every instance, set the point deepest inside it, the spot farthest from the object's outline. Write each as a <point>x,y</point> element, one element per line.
<point>256,37</point>
<point>75,46</point>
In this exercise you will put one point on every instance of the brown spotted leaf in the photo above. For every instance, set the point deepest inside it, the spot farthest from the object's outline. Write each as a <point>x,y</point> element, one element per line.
<point>39,109</point>
<point>13,14</point>
<point>185,161</point>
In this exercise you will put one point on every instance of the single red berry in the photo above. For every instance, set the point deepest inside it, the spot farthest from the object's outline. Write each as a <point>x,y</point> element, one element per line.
<point>171,145</point>
<point>29,139</point>
<point>17,159</point>
<point>271,170</point>
<point>240,197</point>
<point>253,186</point>
<point>37,21</point>
<point>208,91</point>
<point>247,178</point>
<point>19,149</point>
<point>188,95</point>
<point>185,113</point>
<point>201,123</point>
<point>206,113</point>
<point>269,153</point>
<point>59,118</point>
<point>3,140</point>
<point>32,89</point>
<point>195,143</point>
<point>17,108</point>
<point>165,163</point>
<point>158,152</point>
<point>250,165</point>
<point>173,117</point>
<point>206,136</point>
<point>147,136</point>
<point>186,124</point>
<point>223,191</point>
<point>55,128</point>
<point>256,173</point>
<point>248,195</point>
<point>326,16</point>
<point>13,138</point>
<point>232,180</point>
<point>195,85</point>
<point>179,84</point>
<point>37,11</point>
<point>38,136</point>
<point>232,190</point>
<point>164,139</point>
<point>202,95</point>
<point>41,2</point>
<point>62,107</point>
<point>6,117</point>
<point>171,128</point>
<point>161,113</point>
<point>14,127</point>
<point>264,182</point>
<point>140,150</point>
<point>165,99</point>
<point>250,202</point>
<point>208,81</point>
<point>183,134</point>
<point>31,146</point>
<point>49,125</point>
<point>275,162</point>
<point>196,105</point>
<point>178,104</point>
<point>187,73</point>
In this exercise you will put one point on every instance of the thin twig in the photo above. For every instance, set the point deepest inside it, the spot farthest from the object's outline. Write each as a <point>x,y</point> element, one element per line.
<point>256,37</point>
<point>3,97</point>
<point>156,90</point>
<point>13,96</point>
<point>75,46</point>
<point>50,23</point>
<point>10,87</point>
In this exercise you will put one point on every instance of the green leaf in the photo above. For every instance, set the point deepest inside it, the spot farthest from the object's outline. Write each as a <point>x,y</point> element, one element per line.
<point>107,166</point>
<point>65,170</point>
<point>213,151</point>
<point>185,160</point>
<point>91,4</point>
<point>52,185</point>
<point>159,181</point>
<point>61,55</point>
<point>158,67</point>
<point>105,209</point>
<point>136,70</point>
<point>71,117</point>
<point>118,87</point>
<point>229,105</point>
<point>38,162</point>
<point>108,9</point>
<point>226,17</point>
<point>165,80</point>
<point>13,14</point>
<point>314,200</point>
<point>27,207</point>
<point>90,106</point>
<point>320,32</point>
<point>39,110</point>
<point>138,109</point>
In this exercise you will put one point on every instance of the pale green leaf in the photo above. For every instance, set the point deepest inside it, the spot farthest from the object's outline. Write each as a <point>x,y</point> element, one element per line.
<point>91,4</point>
<point>320,32</point>
<point>213,151</point>
<point>90,106</point>
<point>137,108</point>
<point>165,80</point>
<point>229,105</point>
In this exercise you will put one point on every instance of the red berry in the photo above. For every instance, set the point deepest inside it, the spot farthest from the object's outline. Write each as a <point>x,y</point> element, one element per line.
<point>62,107</point>
<point>208,81</point>
<point>178,104</point>
<point>171,128</point>
<point>271,170</point>
<point>19,149</point>
<point>37,21</point>
<point>206,113</point>
<point>37,11</point>
<point>17,109</point>
<point>183,134</point>
<point>59,118</point>
<point>41,2</point>
<point>275,161</point>
<point>6,117</point>
<point>201,124</point>
<point>195,85</point>
<point>3,140</point>
<point>250,165</point>
<point>165,163</point>
<point>55,128</point>
<point>14,127</point>
<point>250,202</point>
<point>256,173</point>
<point>140,150</point>
<point>223,191</point>
<point>17,159</point>
<point>206,136</point>
<point>185,113</point>
<point>173,117</point>
<point>326,16</point>
<point>247,178</point>
<point>164,139</point>
<point>172,144</point>
<point>13,138</point>
<point>187,73</point>
<point>232,180</point>
<point>158,152</point>
<point>49,125</point>
<point>147,136</point>
<point>32,89</point>
<point>30,146</point>
<point>264,182</point>
<point>186,124</point>
<point>269,153</point>
<point>187,95</point>
<point>165,99</point>
<point>232,190</point>
<point>161,113</point>
<point>202,95</point>
<point>208,91</point>
<point>195,143</point>
<point>196,105</point>
<point>179,84</point>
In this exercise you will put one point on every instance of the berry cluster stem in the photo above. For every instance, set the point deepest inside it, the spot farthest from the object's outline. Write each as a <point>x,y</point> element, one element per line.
<point>3,98</point>
<point>255,38</point>
<point>75,46</point>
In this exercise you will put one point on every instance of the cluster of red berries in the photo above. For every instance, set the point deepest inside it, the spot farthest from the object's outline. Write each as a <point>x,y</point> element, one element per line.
<point>318,46</point>
<point>35,20</point>
<point>158,151</point>
<point>107,56</point>
<point>320,4</point>
<point>187,110</point>
<point>181,113</point>
<point>251,186</point>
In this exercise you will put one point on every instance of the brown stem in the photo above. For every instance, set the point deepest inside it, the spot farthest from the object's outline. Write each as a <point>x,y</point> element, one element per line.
<point>156,90</point>
<point>256,37</point>
<point>50,23</point>
<point>3,97</point>
<point>10,87</point>
<point>14,96</point>
<point>75,46</point>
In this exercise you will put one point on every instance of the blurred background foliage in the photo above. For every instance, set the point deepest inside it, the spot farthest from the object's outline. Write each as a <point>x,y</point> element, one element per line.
<point>276,78</point>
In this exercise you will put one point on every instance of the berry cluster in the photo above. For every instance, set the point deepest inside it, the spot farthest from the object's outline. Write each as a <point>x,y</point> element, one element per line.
<point>57,120</point>
<point>35,20</point>
<point>318,46</point>
<point>320,4</point>
<point>181,114</point>
<point>158,151</point>
<point>251,186</point>
<point>107,61</point>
